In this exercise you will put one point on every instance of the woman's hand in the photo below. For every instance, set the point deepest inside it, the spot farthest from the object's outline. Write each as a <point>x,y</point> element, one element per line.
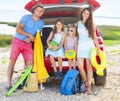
<point>98,49</point>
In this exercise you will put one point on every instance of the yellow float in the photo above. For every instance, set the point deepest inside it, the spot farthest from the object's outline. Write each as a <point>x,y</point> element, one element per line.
<point>99,67</point>
<point>70,54</point>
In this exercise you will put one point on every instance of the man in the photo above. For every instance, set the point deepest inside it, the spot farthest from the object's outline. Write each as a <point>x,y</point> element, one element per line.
<point>23,39</point>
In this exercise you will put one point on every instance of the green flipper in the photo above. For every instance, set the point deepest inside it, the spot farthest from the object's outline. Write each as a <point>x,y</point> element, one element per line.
<point>27,71</point>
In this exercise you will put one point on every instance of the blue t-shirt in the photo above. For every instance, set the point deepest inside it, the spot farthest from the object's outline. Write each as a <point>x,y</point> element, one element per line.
<point>30,26</point>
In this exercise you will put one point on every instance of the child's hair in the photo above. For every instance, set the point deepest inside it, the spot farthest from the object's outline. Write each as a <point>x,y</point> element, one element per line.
<point>55,28</point>
<point>74,28</point>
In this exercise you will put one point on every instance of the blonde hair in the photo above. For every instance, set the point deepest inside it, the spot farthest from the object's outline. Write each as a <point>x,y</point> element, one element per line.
<point>74,29</point>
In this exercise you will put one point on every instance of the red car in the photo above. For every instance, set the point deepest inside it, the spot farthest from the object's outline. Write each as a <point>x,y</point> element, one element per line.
<point>69,11</point>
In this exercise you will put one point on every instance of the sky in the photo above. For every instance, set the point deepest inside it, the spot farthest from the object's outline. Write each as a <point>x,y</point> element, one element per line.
<point>13,4</point>
<point>109,8</point>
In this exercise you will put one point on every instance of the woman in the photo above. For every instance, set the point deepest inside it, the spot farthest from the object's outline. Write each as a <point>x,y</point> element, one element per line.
<point>57,35</point>
<point>23,38</point>
<point>87,38</point>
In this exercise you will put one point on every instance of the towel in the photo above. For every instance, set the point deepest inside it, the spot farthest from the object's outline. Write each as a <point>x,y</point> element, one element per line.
<point>39,66</point>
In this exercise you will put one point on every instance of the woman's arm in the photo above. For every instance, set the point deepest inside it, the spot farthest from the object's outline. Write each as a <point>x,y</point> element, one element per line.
<point>65,44</point>
<point>76,44</point>
<point>96,40</point>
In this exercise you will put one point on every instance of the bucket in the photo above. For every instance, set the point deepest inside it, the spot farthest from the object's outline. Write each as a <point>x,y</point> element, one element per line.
<point>32,83</point>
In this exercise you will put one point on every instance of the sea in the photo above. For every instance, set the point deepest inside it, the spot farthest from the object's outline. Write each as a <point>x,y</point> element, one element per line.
<point>10,16</point>
<point>14,16</point>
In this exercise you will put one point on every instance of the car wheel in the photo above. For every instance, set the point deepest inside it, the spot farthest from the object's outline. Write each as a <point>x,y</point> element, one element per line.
<point>100,80</point>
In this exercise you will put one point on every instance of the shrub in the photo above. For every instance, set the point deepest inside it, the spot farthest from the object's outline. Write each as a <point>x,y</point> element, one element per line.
<point>110,32</point>
<point>14,24</point>
<point>5,40</point>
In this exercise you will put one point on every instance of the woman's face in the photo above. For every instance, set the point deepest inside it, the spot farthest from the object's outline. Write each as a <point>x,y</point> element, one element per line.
<point>85,14</point>
<point>38,12</point>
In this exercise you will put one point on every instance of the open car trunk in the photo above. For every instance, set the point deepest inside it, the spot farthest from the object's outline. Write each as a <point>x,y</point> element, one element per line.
<point>68,10</point>
<point>69,13</point>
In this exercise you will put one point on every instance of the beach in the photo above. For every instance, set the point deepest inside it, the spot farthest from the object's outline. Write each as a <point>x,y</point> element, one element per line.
<point>109,92</point>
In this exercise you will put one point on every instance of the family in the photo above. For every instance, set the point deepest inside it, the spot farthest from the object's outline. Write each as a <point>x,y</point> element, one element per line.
<point>81,39</point>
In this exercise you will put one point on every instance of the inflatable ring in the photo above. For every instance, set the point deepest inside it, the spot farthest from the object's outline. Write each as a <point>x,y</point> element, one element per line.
<point>53,43</point>
<point>70,54</point>
<point>99,67</point>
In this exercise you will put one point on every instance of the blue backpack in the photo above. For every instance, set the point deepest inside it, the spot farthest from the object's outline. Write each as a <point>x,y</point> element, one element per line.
<point>70,82</point>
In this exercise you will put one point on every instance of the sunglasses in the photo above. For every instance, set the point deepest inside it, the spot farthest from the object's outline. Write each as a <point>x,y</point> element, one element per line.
<point>70,30</point>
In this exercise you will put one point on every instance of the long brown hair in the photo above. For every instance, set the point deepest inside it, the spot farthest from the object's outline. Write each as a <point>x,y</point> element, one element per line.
<point>55,28</point>
<point>89,22</point>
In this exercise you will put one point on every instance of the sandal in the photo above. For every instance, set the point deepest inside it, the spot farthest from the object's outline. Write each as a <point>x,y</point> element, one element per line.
<point>88,90</point>
<point>8,88</point>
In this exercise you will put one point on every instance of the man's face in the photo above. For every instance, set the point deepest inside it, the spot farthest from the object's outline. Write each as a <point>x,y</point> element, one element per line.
<point>38,11</point>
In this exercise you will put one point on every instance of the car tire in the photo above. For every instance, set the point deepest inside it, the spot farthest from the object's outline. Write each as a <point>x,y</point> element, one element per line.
<point>100,80</point>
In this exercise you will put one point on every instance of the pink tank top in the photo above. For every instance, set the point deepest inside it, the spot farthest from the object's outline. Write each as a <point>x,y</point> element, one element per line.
<point>70,43</point>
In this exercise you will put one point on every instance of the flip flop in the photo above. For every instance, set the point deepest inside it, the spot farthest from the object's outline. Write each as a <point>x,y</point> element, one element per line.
<point>8,88</point>
<point>88,91</point>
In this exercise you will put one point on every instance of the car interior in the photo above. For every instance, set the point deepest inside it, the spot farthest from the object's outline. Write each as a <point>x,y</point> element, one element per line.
<point>45,33</point>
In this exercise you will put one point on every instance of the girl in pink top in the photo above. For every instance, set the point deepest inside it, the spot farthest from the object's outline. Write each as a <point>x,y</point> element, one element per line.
<point>71,44</point>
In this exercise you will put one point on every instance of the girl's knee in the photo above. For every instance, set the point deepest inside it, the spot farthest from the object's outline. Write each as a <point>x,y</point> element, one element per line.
<point>51,57</point>
<point>59,58</point>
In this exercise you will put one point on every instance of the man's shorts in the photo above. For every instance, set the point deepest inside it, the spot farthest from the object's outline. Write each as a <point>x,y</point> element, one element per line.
<point>19,46</point>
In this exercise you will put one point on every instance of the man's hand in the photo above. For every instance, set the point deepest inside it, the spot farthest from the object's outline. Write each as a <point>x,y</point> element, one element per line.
<point>27,40</point>
<point>31,37</point>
